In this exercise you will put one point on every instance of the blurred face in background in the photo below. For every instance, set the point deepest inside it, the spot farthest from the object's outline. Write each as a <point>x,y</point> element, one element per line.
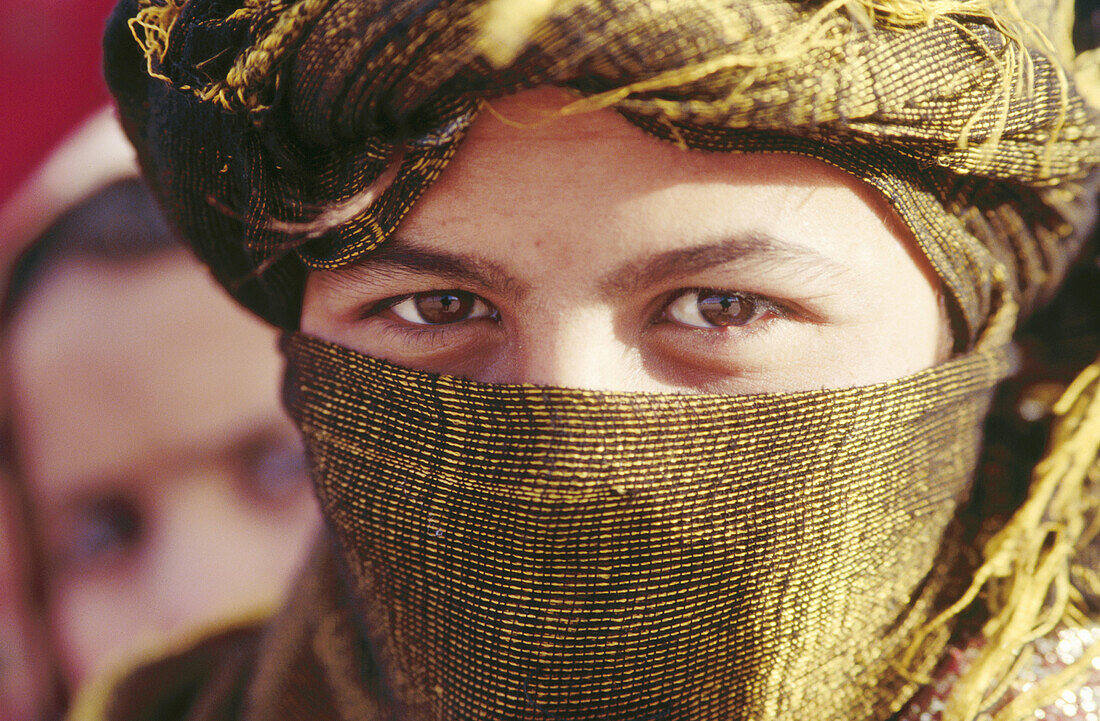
<point>24,673</point>
<point>169,487</point>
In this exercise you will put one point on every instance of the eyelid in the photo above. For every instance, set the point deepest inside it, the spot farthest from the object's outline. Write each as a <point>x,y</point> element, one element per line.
<point>771,305</point>
<point>387,304</point>
<point>100,531</point>
<point>383,305</point>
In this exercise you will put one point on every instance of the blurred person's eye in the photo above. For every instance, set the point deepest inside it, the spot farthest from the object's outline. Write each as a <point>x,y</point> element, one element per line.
<point>99,531</point>
<point>274,465</point>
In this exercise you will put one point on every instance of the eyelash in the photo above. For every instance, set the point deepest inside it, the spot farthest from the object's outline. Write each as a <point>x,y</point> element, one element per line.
<point>428,331</point>
<point>428,338</point>
<point>770,310</point>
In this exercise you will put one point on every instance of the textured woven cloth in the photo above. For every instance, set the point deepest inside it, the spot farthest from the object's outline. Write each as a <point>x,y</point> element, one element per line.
<point>296,667</point>
<point>286,136</point>
<point>315,662</point>
<point>252,115</point>
<point>535,552</point>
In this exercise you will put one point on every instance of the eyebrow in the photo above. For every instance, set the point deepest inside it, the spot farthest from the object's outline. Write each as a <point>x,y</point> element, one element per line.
<point>401,253</point>
<point>760,249</point>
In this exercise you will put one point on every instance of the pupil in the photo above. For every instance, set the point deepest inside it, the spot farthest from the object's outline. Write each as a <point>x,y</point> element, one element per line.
<point>442,308</point>
<point>723,310</point>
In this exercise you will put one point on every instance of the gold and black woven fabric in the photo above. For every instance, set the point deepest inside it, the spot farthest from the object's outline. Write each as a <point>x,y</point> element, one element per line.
<point>288,135</point>
<point>527,552</point>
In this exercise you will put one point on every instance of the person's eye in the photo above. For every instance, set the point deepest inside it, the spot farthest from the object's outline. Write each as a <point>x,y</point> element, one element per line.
<point>707,308</point>
<point>102,530</point>
<point>274,466</point>
<point>441,307</point>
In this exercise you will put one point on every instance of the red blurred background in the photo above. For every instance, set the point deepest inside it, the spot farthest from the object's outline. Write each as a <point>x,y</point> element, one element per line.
<point>50,77</point>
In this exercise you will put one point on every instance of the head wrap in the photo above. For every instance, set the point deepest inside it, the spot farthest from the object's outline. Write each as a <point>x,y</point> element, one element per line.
<point>287,136</point>
<point>329,118</point>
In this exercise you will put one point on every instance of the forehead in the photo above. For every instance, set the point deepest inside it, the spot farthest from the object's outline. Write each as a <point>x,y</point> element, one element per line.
<point>114,364</point>
<point>528,172</point>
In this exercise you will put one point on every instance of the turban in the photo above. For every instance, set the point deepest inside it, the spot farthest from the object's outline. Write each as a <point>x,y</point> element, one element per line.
<point>289,136</point>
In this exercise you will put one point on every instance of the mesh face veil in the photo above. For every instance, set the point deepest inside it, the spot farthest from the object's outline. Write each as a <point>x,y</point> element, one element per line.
<point>522,552</point>
<point>526,552</point>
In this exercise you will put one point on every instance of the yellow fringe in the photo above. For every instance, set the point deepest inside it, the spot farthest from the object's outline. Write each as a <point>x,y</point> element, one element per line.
<point>256,68</point>
<point>507,26</point>
<point>1087,76</point>
<point>1026,574</point>
<point>151,27</point>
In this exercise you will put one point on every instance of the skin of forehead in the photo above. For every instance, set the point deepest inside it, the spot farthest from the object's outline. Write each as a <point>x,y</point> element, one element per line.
<point>529,125</point>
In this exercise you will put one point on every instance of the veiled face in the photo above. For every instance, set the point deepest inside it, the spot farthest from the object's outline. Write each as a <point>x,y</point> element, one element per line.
<point>168,486</point>
<point>579,251</point>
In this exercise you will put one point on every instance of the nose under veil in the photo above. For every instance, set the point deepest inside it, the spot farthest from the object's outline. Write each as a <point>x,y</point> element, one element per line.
<point>523,552</point>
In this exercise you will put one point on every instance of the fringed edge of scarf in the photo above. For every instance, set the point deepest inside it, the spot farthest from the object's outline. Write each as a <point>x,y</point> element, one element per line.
<point>504,28</point>
<point>1026,577</point>
<point>276,25</point>
<point>152,27</point>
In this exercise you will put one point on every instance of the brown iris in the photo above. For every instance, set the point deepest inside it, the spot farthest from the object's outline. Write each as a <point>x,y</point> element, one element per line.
<point>724,309</point>
<point>444,307</point>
